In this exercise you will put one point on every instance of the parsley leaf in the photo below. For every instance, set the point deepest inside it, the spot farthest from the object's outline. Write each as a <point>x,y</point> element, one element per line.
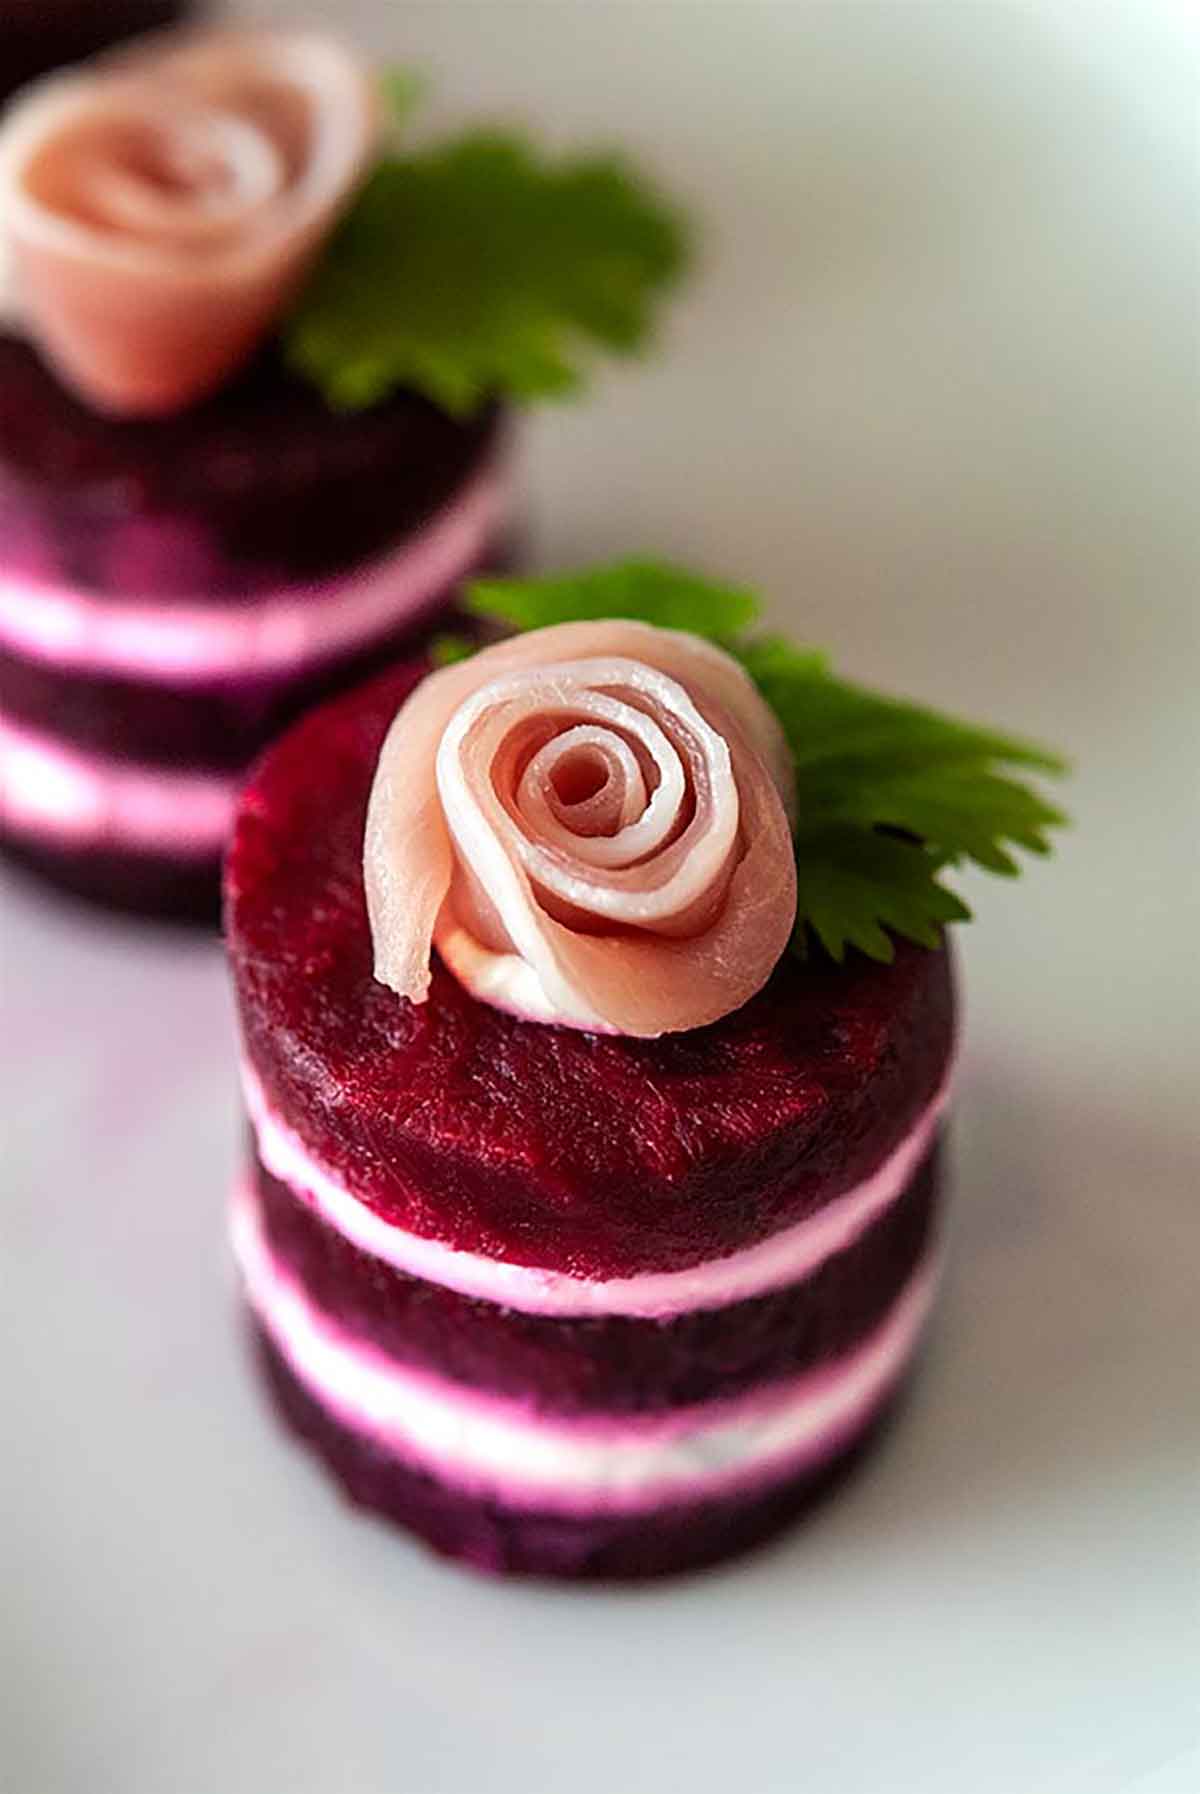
<point>889,794</point>
<point>478,268</point>
<point>853,884</point>
<point>447,649</point>
<point>646,591</point>
<point>401,91</point>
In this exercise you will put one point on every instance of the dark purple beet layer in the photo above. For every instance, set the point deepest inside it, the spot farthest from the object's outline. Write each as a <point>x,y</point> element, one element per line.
<point>220,725</point>
<point>135,884</point>
<point>615,1364</point>
<point>39,35</point>
<point>507,1542</point>
<point>601,1156</point>
<point>259,487</point>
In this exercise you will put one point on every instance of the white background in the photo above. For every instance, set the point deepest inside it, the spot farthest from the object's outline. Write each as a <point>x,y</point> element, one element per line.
<point>936,390</point>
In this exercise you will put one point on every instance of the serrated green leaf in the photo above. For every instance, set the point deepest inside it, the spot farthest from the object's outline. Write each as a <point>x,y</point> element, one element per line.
<point>933,785</point>
<point>969,809</point>
<point>779,667</point>
<point>889,794</point>
<point>854,884</point>
<point>478,269</point>
<point>401,90</point>
<point>644,591</point>
<point>447,650</point>
<point>836,728</point>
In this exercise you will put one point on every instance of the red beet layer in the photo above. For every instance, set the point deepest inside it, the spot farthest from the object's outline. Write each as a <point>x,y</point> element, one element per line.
<point>136,884</point>
<point>259,487</point>
<point>257,490</point>
<point>220,725</point>
<point>509,1542</point>
<point>600,1156</point>
<point>614,1364</point>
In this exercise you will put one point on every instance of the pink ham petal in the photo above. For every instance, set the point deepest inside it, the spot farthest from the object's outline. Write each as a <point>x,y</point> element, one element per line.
<point>163,206</point>
<point>662,906</point>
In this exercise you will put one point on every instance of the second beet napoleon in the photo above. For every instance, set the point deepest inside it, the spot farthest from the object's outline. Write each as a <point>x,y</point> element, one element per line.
<point>262,358</point>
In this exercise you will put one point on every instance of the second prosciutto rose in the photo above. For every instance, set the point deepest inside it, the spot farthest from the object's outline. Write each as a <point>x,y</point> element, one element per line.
<point>591,823</point>
<point>161,206</point>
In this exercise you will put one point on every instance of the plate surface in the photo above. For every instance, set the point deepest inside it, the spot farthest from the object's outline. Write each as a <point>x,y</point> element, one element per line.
<point>936,391</point>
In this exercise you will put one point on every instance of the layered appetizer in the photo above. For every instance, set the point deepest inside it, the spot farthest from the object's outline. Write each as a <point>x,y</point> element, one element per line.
<point>598,1027</point>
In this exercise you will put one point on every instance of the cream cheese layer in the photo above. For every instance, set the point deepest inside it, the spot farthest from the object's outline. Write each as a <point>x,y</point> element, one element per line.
<point>59,795</point>
<point>191,642</point>
<point>512,1452</point>
<point>786,1257</point>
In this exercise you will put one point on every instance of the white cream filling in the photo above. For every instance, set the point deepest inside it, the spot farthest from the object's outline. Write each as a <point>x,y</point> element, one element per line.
<point>190,642</point>
<point>494,1446</point>
<point>784,1258</point>
<point>60,795</point>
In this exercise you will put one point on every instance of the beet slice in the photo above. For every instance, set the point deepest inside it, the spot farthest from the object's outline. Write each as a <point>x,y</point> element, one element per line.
<point>594,1155</point>
<point>222,724</point>
<point>511,1542</point>
<point>259,491</point>
<point>615,1364</point>
<point>156,886</point>
<point>258,487</point>
<point>598,1156</point>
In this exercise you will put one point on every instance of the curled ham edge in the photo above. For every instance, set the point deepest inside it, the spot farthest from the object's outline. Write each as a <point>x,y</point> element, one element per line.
<point>157,308</point>
<point>453,862</point>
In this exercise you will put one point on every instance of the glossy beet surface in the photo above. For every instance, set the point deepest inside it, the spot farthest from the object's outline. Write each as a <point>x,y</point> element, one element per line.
<point>596,1155</point>
<point>508,1542</point>
<point>614,1364</point>
<point>260,486</point>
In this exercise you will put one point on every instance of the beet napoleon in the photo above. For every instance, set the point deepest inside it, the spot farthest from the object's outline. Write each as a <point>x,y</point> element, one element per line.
<point>590,1221</point>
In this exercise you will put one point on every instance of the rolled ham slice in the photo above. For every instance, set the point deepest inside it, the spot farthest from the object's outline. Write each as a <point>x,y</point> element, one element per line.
<point>162,206</point>
<point>591,824</point>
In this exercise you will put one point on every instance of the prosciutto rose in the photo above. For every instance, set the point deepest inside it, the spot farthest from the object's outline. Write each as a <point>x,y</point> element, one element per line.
<point>161,206</point>
<point>591,825</point>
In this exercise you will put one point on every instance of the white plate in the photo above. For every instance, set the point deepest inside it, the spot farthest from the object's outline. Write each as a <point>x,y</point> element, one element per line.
<point>936,392</point>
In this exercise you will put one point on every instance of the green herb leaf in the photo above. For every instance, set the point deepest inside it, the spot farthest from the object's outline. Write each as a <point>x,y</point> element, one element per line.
<point>646,591</point>
<point>446,650</point>
<point>401,91</point>
<point>854,884</point>
<point>479,269</point>
<point>889,794</point>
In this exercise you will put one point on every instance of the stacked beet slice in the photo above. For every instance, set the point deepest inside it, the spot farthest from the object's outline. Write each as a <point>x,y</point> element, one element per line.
<point>560,1303</point>
<point>173,592</point>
